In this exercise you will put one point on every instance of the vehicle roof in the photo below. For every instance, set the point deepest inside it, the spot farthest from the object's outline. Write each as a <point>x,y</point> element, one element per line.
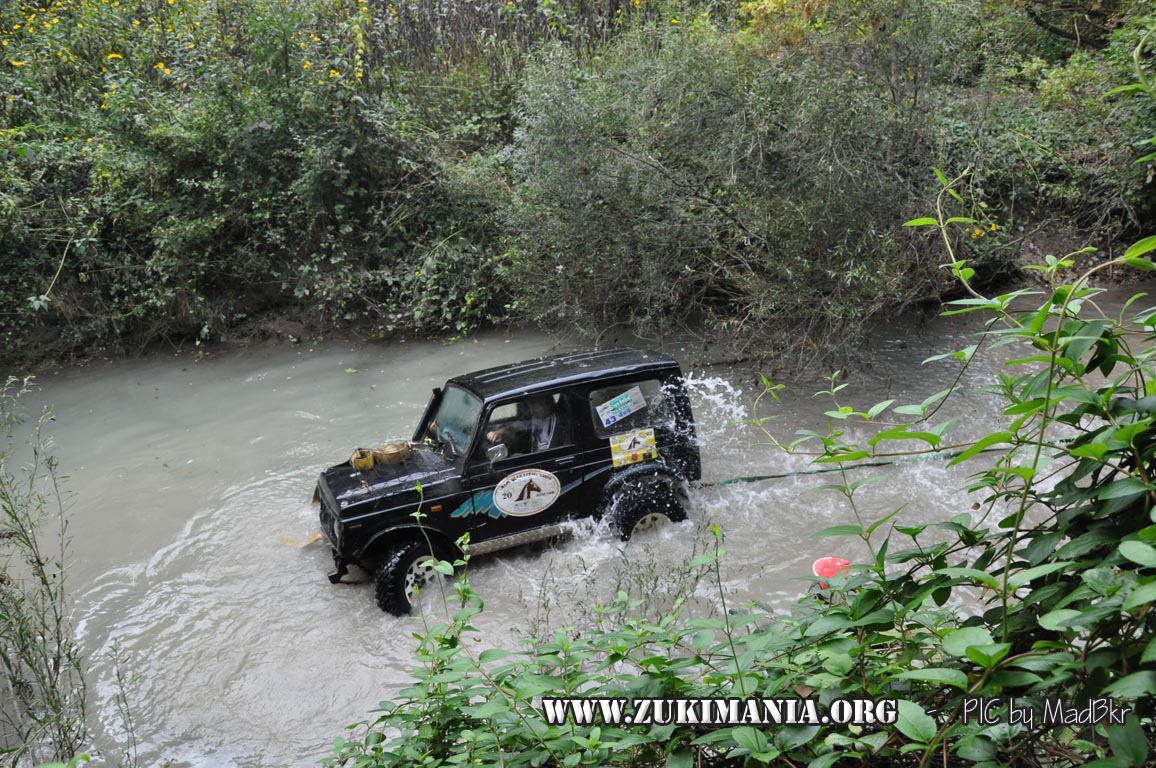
<point>561,370</point>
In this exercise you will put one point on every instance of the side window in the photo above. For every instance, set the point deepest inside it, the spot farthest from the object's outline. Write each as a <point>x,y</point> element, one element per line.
<point>623,407</point>
<point>538,423</point>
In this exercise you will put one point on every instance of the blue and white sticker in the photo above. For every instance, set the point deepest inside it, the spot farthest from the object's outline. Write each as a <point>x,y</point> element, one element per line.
<point>618,408</point>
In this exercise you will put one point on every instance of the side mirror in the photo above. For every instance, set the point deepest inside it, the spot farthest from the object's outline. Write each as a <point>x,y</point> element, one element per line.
<point>497,452</point>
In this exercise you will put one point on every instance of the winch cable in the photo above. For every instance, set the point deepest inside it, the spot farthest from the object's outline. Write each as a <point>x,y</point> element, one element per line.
<point>821,470</point>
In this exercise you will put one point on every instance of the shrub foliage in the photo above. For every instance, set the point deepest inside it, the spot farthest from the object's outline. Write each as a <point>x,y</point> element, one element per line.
<point>172,169</point>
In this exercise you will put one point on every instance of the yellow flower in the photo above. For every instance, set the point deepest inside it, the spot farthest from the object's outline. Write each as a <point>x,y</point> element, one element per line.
<point>674,21</point>
<point>334,73</point>
<point>17,63</point>
<point>112,56</point>
<point>994,227</point>
<point>159,65</point>
<point>168,71</point>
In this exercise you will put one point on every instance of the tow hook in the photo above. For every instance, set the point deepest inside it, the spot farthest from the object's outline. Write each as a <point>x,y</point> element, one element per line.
<point>342,569</point>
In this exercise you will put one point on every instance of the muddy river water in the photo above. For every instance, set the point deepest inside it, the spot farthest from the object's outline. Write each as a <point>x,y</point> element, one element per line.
<point>190,479</point>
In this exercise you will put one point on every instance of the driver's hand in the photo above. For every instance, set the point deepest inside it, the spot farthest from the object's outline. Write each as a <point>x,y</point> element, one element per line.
<point>495,436</point>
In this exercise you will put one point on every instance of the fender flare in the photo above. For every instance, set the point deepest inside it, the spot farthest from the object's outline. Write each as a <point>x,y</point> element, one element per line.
<point>644,473</point>
<point>375,545</point>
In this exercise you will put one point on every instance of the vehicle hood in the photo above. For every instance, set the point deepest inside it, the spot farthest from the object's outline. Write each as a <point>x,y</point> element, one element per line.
<point>351,492</point>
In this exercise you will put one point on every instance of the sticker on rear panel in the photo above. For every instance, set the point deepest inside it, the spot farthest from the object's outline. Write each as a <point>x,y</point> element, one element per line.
<point>618,408</point>
<point>633,447</point>
<point>527,492</point>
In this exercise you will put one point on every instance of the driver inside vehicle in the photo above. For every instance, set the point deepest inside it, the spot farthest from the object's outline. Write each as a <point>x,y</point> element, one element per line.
<point>541,426</point>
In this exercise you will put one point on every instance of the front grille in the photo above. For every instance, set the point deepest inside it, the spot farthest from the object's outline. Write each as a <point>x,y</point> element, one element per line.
<point>327,515</point>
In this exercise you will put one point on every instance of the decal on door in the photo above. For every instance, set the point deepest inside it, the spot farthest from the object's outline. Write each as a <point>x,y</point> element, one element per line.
<point>527,492</point>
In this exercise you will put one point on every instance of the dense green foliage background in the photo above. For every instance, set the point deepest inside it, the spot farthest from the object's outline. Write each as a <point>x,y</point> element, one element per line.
<point>172,169</point>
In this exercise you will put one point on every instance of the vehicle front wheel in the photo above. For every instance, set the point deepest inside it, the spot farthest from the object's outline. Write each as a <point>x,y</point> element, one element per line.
<point>406,570</point>
<point>646,508</point>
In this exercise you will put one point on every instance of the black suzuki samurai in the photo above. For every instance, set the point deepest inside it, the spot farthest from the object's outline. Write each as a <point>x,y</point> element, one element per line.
<point>508,455</point>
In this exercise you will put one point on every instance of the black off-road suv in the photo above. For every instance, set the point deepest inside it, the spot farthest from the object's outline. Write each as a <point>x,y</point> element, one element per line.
<point>508,455</point>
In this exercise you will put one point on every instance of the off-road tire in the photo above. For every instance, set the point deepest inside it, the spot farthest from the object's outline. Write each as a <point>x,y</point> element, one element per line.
<point>639,508</point>
<point>400,571</point>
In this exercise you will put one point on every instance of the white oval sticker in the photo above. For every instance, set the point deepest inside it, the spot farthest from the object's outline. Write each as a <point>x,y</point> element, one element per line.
<point>527,492</point>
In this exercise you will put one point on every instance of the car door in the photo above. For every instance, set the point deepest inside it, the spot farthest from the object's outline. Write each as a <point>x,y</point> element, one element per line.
<point>533,486</point>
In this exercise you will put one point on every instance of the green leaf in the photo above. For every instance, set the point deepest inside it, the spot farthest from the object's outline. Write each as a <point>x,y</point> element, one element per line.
<point>925,221</point>
<point>1022,578</point>
<point>839,530</point>
<point>995,438</point>
<point>1127,88</point>
<point>826,760</point>
<point>976,748</point>
<point>1134,686</point>
<point>1138,552</point>
<point>1060,620</point>
<point>792,736</point>
<point>1108,762</point>
<point>914,723</point>
<point>988,656</point>
<point>750,739</point>
<point>1128,486</point>
<point>941,675</point>
<point>492,654</point>
<point>1141,595</point>
<point>1149,654</point>
<point>1089,451</point>
<point>1128,741</point>
<point>680,758</point>
<point>351,370</point>
<point>1138,263</point>
<point>1140,248</point>
<point>957,641</point>
<point>983,577</point>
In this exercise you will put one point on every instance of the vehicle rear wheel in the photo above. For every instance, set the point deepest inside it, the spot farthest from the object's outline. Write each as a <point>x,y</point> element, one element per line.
<point>406,570</point>
<point>646,508</point>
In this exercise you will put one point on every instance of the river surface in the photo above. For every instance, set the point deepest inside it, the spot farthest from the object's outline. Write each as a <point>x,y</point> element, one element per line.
<point>190,481</point>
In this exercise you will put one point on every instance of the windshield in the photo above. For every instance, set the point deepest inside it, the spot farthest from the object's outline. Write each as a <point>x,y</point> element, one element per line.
<point>452,425</point>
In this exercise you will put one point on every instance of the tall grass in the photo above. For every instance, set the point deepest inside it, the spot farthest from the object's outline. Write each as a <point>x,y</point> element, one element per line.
<point>42,709</point>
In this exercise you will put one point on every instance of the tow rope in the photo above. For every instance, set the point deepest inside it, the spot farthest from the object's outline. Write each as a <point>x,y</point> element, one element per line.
<point>821,470</point>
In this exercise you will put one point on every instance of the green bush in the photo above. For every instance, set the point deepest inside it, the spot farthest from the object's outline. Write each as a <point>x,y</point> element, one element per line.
<point>171,170</point>
<point>682,176</point>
